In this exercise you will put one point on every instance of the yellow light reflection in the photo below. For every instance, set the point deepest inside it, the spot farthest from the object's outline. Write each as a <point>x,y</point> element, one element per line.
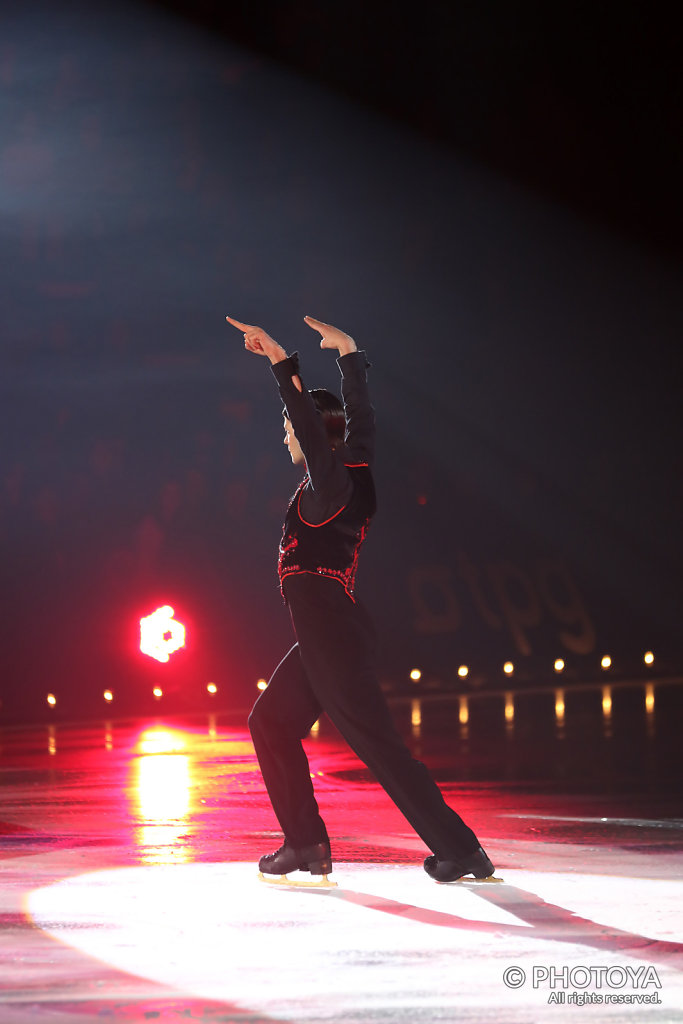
<point>416,716</point>
<point>606,701</point>
<point>649,698</point>
<point>559,705</point>
<point>161,741</point>
<point>162,788</point>
<point>163,794</point>
<point>163,802</point>
<point>463,711</point>
<point>509,707</point>
<point>51,740</point>
<point>315,728</point>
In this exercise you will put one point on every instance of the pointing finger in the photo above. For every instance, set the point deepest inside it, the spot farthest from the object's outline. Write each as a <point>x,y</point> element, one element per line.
<point>238,325</point>
<point>317,325</point>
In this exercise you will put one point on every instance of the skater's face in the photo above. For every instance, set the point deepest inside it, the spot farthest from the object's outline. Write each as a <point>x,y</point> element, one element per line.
<point>292,444</point>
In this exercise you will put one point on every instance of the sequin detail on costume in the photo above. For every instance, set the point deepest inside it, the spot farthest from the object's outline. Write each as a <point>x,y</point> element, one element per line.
<point>331,548</point>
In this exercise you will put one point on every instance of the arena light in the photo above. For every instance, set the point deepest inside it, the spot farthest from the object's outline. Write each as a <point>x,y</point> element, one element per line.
<point>416,675</point>
<point>51,699</point>
<point>606,662</point>
<point>559,665</point>
<point>158,693</point>
<point>262,684</point>
<point>108,696</point>
<point>648,657</point>
<point>212,688</point>
<point>160,634</point>
<point>508,668</point>
<point>463,671</point>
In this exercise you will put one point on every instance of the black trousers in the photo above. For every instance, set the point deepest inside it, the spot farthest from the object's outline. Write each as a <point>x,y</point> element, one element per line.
<point>331,668</point>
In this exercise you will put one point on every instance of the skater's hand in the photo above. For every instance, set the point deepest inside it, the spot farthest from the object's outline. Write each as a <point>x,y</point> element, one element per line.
<point>256,340</point>
<point>332,337</point>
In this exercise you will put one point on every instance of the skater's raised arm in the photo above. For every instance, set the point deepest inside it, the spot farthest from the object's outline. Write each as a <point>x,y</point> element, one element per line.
<point>329,479</point>
<point>332,337</point>
<point>261,344</point>
<point>330,482</point>
<point>360,416</point>
<point>308,427</point>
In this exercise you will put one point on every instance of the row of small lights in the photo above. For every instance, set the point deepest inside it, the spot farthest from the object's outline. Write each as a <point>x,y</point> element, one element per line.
<point>157,693</point>
<point>415,675</point>
<point>509,668</point>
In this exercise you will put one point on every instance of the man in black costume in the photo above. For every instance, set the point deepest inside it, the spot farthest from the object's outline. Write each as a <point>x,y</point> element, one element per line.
<point>331,667</point>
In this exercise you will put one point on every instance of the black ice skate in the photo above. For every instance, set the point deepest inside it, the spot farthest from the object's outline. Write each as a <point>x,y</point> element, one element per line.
<point>476,864</point>
<point>316,858</point>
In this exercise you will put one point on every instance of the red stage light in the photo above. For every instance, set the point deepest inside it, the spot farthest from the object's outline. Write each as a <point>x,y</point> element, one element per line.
<point>160,634</point>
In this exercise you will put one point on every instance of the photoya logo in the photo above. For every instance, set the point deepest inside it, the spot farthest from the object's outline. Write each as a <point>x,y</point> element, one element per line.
<point>568,985</point>
<point>160,634</point>
<point>614,977</point>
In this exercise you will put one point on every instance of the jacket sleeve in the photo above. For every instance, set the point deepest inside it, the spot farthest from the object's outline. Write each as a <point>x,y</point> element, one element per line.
<point>331,483</point>
<point>360,416</point>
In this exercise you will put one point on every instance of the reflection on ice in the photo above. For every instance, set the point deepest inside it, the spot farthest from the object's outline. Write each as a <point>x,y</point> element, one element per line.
<point>161,796</point>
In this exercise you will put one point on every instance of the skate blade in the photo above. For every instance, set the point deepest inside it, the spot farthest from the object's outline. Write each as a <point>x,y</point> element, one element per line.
<point>478,881</point>
<point>297,883</point>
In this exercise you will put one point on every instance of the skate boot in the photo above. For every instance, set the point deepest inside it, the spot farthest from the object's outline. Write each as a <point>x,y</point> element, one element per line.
<point>476,864</point>
<point>315,858</point>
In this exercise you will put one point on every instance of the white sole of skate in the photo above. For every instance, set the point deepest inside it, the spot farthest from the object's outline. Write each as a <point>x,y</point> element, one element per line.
<point>296,883</point>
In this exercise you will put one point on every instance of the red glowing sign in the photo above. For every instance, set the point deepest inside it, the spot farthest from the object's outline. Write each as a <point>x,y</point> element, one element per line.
<point>160,634</point>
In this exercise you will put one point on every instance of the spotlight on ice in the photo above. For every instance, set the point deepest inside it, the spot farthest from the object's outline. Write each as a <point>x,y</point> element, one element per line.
<point>160,634</point>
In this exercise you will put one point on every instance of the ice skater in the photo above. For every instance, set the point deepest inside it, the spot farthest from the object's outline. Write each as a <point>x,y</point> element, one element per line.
<point>331,667</point>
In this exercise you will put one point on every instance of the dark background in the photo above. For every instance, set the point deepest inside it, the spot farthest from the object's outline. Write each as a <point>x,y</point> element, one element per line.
<point>580,102</point>
<point>485,196</point>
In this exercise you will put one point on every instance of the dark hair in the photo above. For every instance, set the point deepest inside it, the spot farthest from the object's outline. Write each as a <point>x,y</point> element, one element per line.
<point>332,412</point>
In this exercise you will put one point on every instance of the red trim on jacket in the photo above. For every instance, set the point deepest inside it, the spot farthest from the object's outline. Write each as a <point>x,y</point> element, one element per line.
<point>315,525</point>
<point>325,576</point>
